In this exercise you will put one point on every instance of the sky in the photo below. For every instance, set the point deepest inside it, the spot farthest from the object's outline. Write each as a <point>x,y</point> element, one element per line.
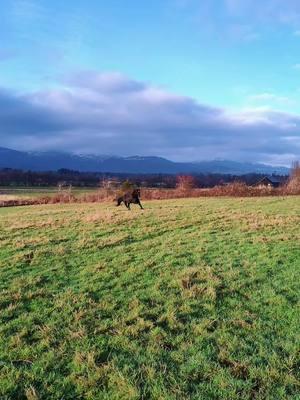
<point>184,79</point>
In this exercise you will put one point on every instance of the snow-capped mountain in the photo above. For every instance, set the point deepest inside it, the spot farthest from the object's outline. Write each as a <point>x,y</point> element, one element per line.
<point>48,161</point>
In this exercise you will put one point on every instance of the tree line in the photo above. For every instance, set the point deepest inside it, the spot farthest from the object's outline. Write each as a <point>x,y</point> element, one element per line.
<point>13,177</point>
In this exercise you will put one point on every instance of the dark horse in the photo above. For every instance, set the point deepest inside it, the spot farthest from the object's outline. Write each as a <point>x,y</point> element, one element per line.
<point>130,197</point>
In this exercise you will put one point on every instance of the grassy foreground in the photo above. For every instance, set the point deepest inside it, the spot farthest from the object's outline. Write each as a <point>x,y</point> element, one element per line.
<point>190,299</point>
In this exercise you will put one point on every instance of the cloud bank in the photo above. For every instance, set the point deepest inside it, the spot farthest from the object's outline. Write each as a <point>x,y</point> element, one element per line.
<point>109,113</point>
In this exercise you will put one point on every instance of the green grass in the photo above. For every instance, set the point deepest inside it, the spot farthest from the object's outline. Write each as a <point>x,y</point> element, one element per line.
<point>190,299</point>
<point>34,191</point>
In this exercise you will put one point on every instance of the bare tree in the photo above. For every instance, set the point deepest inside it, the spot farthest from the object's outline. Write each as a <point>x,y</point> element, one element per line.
<point>65,190</point>
<point>293,184</point>
<point>185,182</point>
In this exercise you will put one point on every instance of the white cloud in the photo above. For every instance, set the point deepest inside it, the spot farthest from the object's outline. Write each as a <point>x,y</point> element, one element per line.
<point>270,97</point>
<point>278,11</point>
<point>245,20</point>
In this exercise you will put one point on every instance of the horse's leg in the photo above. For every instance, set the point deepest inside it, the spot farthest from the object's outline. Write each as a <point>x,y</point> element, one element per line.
<point>128,205</point>
<point>139,203</point>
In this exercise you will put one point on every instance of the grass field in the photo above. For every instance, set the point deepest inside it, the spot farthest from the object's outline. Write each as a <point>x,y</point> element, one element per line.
<point>190,299</point>
<point>8,192</point>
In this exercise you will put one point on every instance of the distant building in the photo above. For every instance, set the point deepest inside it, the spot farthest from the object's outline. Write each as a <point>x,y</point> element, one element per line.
<point>268,182</point>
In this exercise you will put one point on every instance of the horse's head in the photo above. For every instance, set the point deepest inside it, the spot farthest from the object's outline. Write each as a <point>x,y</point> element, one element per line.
<point>136,192</point>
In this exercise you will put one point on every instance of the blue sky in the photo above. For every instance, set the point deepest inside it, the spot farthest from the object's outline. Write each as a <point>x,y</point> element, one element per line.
<point>185,79</point>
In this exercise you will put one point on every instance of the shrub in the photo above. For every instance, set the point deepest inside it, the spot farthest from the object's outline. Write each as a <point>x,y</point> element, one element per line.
<point>185,182</point>
<point>127,186</point>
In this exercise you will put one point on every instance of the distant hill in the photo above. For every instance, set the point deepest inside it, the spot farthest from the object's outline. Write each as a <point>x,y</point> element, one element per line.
<point>52,161</point>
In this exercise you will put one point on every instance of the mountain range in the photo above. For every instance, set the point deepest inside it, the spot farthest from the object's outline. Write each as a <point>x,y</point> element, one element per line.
<point>52,161</point>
